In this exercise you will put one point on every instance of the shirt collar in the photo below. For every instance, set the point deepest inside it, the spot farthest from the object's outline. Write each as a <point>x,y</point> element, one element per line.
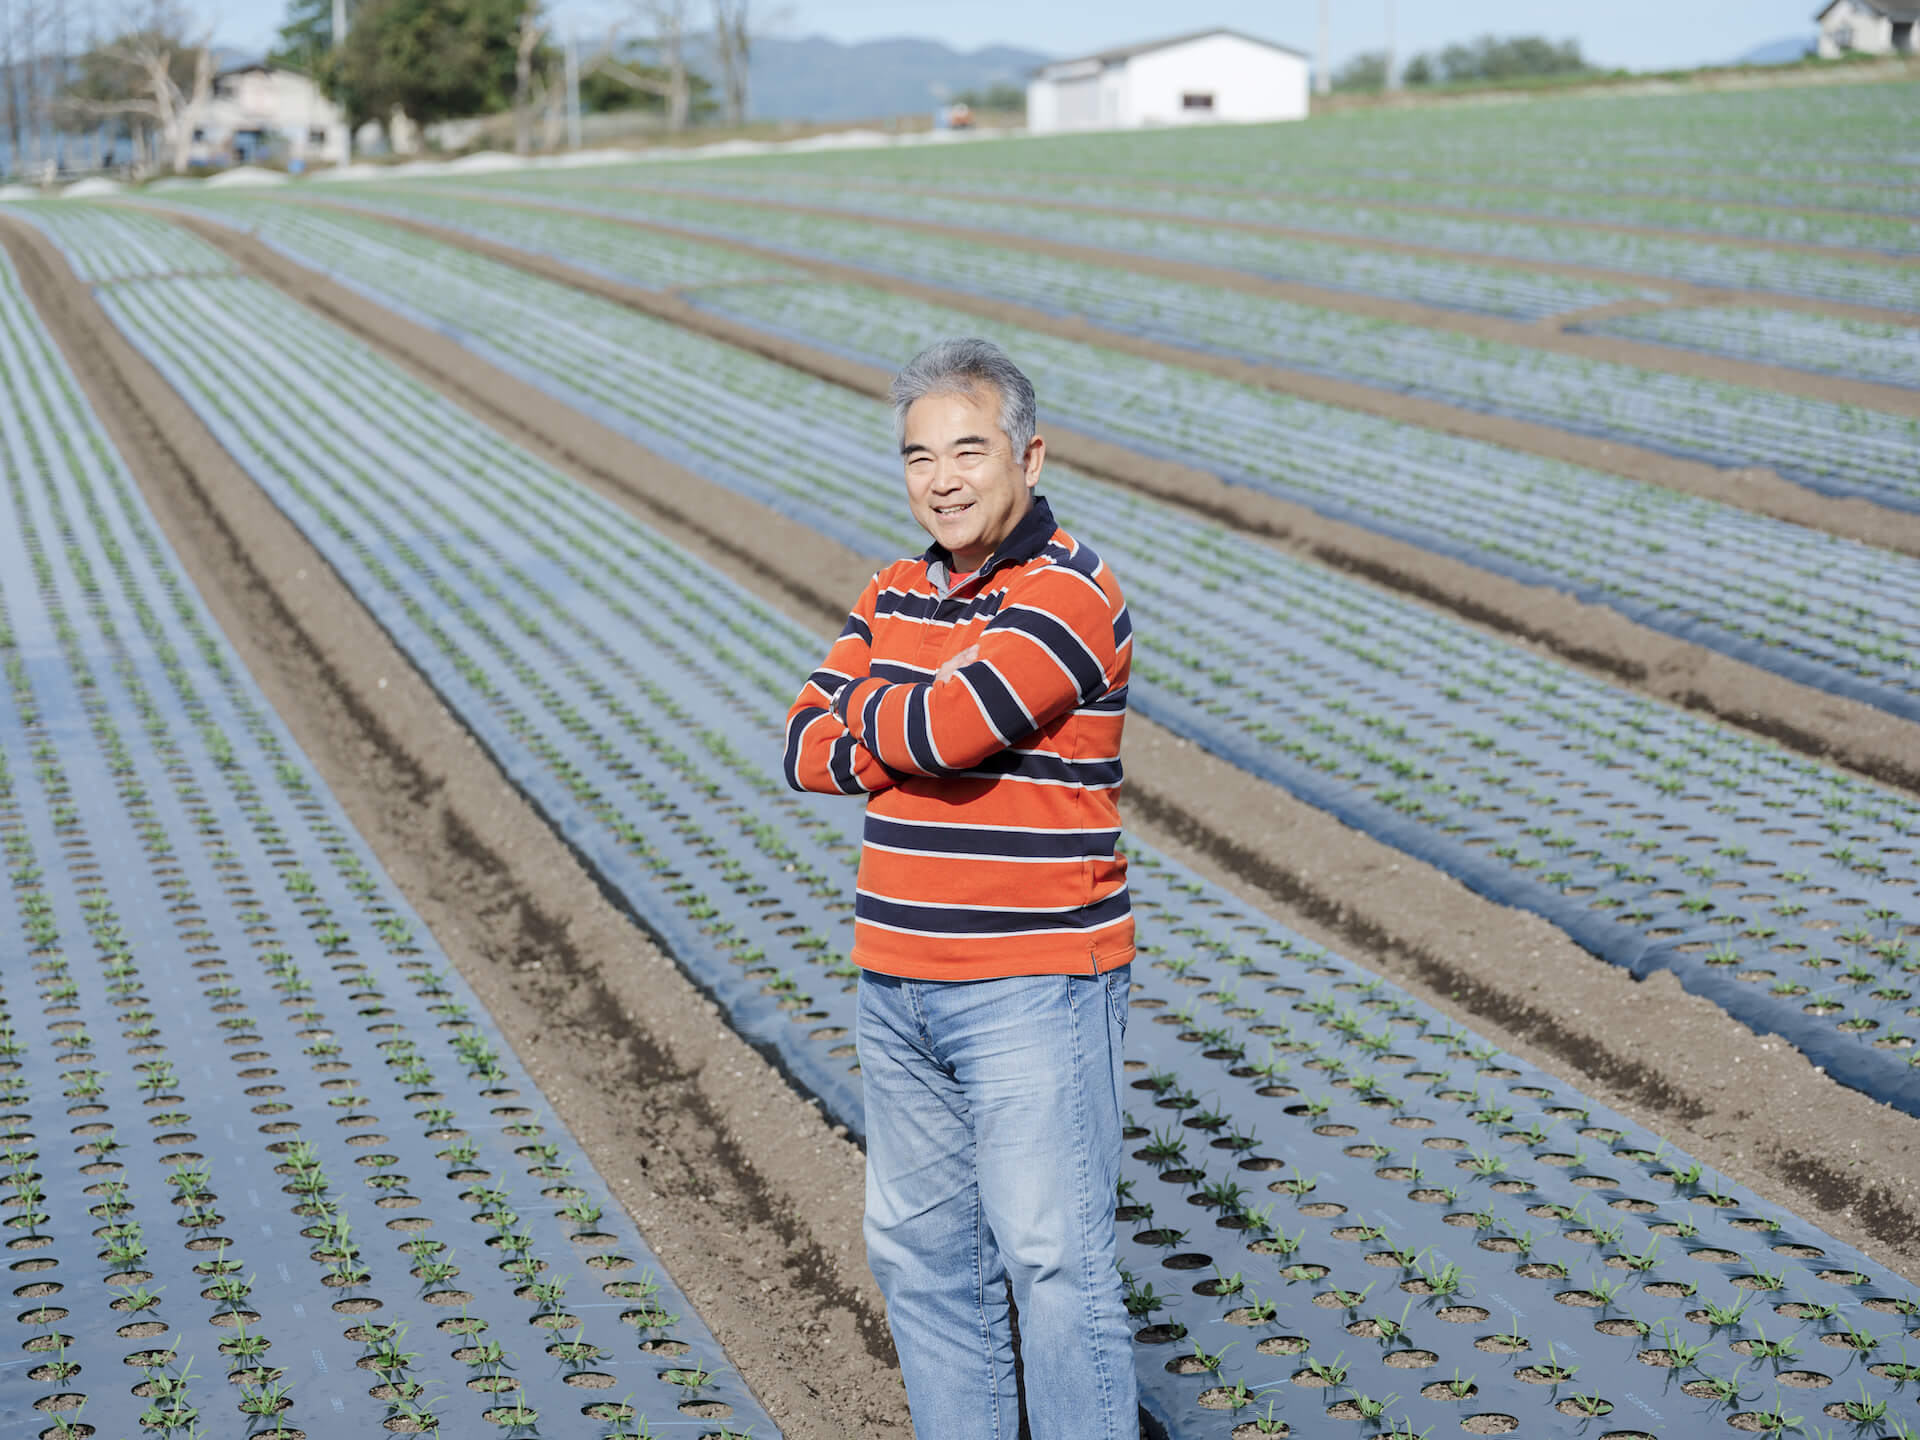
<point>1028,539</point>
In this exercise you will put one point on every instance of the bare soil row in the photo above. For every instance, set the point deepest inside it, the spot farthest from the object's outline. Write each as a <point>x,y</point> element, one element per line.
<point>1748,1105</point>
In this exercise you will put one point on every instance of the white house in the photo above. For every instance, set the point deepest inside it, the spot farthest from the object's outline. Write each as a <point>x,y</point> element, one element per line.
<point>261,111</point>
<point>1867,27</point>
<point>1208,75</point>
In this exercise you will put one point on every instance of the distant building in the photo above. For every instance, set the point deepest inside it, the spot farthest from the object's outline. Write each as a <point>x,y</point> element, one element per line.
<point>260,111</point>
<point>1209,75</point>
<point>1867,27</point>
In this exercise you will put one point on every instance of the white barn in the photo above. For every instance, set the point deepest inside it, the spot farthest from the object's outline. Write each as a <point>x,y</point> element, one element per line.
<point>259,109</point>
<point>1208,75</point>
<point>1867,27</point>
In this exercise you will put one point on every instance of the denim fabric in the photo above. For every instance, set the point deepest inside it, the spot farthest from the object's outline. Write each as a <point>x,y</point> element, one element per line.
<point>993,1152</point>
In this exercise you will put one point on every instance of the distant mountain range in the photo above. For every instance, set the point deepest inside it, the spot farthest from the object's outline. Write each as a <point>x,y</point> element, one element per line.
<point>820,79</point>
<point>1778,52</point>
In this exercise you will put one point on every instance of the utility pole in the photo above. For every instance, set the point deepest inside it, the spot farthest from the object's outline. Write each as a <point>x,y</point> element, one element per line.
<point>1392,80</point>
<point>339,38</point>
<point>1323,64</point>
<point>573,91</point>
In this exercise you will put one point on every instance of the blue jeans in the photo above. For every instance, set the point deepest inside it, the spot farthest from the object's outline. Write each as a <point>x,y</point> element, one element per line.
<point>993,1153</point>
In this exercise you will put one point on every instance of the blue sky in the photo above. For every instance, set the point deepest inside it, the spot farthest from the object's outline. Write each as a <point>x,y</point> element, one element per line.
<point>1638,34</point>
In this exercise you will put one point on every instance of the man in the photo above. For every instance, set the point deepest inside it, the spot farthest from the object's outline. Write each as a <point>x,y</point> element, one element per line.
<point>977,695</point>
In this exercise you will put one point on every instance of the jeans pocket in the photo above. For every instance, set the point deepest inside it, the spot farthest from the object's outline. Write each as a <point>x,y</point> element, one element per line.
<point>1119,984</point>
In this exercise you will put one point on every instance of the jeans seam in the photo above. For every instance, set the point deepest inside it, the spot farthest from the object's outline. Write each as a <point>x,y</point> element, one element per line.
<point>1083,1148</point>
<point>980,1301</point>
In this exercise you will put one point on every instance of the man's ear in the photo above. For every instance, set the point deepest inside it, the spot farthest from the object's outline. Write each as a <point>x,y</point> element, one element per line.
<point>1036,457</point>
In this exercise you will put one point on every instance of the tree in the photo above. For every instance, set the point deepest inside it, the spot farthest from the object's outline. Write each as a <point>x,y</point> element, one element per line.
<point>1365,71</point>
<point>668,82</point>
<point>433,59</point>
<point>1000,95</point>
<point>529,39</point>
<point>1491,59</point>
<point>305,41</point>
<point>153,73</point>
<point>624,80</point>
<point>732,43</point>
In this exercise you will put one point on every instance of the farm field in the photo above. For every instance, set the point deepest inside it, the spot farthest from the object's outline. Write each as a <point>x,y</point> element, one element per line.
<point>1353,1193</point>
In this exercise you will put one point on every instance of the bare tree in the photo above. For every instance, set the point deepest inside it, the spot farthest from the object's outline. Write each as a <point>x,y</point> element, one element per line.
<point>154,74</point>
<point>666,21</point>
<point>732,43</point>
<point>533,30</point>
<point>25,23</point>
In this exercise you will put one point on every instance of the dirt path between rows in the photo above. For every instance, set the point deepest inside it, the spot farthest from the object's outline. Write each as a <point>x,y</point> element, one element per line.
<point>750,1198</point>
<point>1684,292</point>
<point>1749,1106</point>
<point>1829,727</point>
<point>1755,488</point>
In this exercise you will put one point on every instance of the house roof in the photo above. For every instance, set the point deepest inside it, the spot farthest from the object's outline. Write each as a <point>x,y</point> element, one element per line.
<point>1122,53</point>
<point>236,62</point>
<point>1891,9</point>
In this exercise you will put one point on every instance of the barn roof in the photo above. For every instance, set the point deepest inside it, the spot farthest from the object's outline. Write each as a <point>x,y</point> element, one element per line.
<point>1891,9</point>
<point>1126,52</point>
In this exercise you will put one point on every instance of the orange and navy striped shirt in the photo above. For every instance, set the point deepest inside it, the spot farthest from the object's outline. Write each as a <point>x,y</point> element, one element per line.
<point>993,813</point>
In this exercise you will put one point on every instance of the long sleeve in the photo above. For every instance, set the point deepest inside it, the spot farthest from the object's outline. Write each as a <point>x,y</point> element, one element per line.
<point>821,755</point>
<point>1055,645</point>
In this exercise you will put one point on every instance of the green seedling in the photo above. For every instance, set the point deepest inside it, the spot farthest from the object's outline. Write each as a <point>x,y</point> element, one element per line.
<point>1370,1408</point>
<point>1719,1315</point>
<point>244,1344</point>
<point>1259,1309</point>
<point>488,1353</point>
<point>1211,1363</point>
<point>689,1379</point>
<point>1866,1410</point>
<point>1237,1398</point>
<point>1787,1349</point>
<point>138,1298</point>
<point>1165,1148</point>
<point>1330,1373</point>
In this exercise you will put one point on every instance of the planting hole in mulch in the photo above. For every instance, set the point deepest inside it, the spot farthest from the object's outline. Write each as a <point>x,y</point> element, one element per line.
<point>1490,1424</point>
<point>1282,1345</point>
<point>1589,1408</point>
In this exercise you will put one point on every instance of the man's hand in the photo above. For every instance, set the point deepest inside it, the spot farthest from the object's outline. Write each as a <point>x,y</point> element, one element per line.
<point>954,662</point>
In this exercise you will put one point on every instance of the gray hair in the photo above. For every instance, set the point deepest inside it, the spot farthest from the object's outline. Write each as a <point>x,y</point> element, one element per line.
<point>960,364</point>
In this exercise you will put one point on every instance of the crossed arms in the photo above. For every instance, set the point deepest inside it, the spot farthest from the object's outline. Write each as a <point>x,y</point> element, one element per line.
<point>1053,646</point>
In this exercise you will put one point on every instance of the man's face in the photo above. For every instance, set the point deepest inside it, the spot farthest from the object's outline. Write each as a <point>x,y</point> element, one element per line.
<point>965,485</point>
